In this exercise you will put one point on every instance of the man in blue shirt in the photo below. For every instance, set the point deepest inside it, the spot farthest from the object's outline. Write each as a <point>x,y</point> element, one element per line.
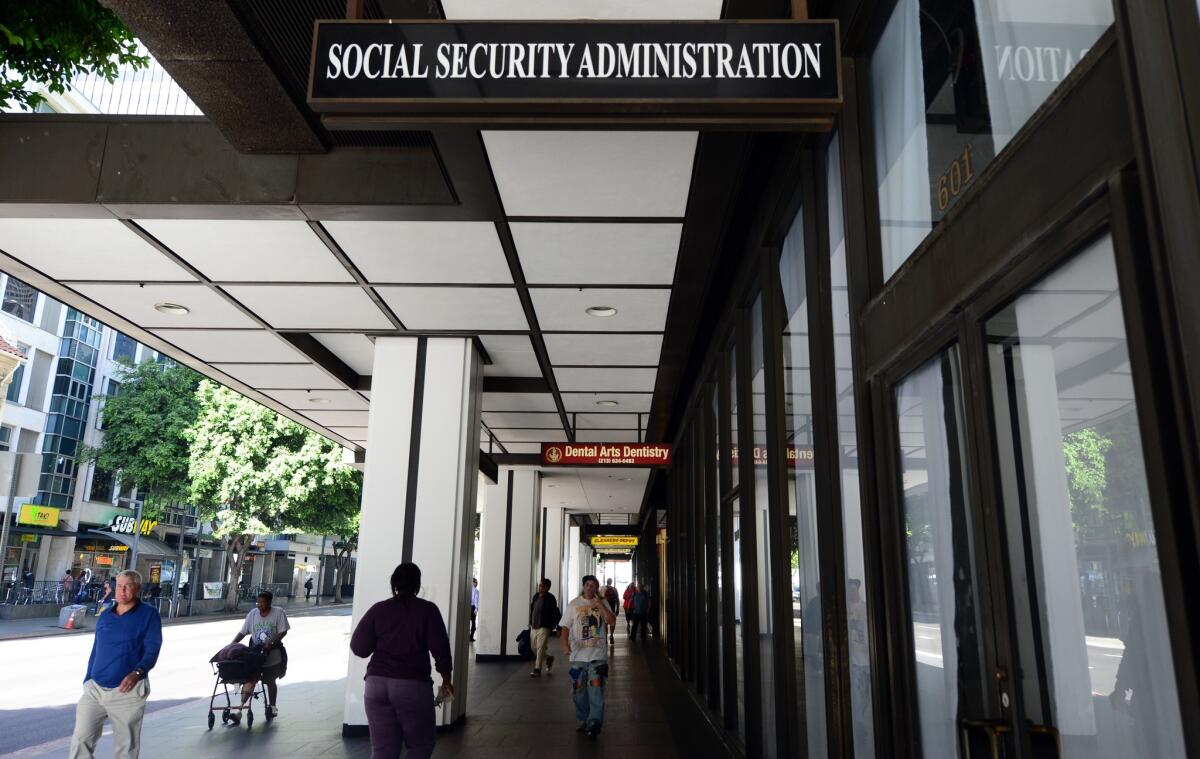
<point>115,687</point>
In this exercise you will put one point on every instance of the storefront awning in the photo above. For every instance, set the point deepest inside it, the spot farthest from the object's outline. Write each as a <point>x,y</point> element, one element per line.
<point>147,546</point>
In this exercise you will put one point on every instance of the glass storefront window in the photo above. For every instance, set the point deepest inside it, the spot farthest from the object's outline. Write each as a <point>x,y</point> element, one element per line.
<point>739,643</point>
<point>938,549</point>
<point>715,549</point>
<point>801,491</point>
<point>852,525</point>
<point>762,529</point>
<point>951,83</point>
<point>1087,592</point>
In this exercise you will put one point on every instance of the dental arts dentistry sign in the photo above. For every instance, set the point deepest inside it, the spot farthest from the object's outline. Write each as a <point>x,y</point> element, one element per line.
<point>744,74</point>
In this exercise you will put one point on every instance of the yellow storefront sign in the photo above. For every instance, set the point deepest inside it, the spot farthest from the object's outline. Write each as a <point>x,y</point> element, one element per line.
<point>40,516</point>
<point>614,541</point>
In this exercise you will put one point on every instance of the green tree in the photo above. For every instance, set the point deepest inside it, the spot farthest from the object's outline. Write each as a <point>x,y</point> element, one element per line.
<point>255,472</point>
<point>145,441</point>
<point>50,41</point>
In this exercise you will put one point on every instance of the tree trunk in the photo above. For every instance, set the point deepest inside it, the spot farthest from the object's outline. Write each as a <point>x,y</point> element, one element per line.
<point>233,568</point>
<point>342,566</point>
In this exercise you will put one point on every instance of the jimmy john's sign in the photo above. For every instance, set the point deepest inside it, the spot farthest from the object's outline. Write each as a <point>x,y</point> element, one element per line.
<point>743,74</point>
<point>605,454</point>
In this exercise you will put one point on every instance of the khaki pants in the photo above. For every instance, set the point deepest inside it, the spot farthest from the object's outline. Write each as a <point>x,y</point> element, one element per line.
<point>540,640</point>
<point>123,710</point>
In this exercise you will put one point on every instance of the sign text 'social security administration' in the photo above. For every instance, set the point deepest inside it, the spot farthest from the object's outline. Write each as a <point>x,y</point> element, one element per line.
<point>546,71</point>
<point>605,454</point>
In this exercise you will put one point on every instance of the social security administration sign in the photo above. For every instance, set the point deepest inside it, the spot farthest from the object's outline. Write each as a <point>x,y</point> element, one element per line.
<point>686,71</point>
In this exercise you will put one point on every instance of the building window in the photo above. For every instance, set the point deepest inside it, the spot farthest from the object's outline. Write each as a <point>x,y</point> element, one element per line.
<point>114,389</point>
<point>20,299</point>
<point>70,403</point>
<point>5,437</point>
<point>102,485</point>
<point>13,394</point>
<point>951,83</point>
<point>124,348</point>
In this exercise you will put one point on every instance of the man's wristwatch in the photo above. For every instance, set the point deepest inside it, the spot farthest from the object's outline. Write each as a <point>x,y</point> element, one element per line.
<point>141,673</point>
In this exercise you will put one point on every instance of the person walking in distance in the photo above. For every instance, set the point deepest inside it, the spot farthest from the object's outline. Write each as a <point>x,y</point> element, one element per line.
<point>640,607</point>
<point>266,625</point>
<point>399,635</point>
<point>308,586</point>
<point>544,617</point>
<point>614,604</point>
<point>588,619</point>
<point>627,604</point>
<point>474,604</point>
<point>116,687</point>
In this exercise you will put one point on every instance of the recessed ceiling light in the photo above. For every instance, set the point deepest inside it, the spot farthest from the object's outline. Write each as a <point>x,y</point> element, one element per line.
<point>174,309</point>
<point>318,399</point>
<point>602,311</point>
<point>606,403</point>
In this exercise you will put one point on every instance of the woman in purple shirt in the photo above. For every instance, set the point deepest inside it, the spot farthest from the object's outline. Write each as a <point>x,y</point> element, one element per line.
<point>399,635</point>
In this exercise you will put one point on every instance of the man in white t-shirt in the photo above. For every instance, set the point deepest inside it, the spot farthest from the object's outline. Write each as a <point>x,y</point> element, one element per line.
<point>585,625</point>
<point>266,625</point>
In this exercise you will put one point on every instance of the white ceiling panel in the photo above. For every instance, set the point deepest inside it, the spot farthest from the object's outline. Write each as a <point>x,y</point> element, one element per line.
<point>518,402</point>
<point>312,306</point>
<point>512,356</point>
<point>502,419</point>
<point>607,436</point>
<point>206,308</point>
<point>606,421</point>
<point>355,351</point>
<point>232,345</point>
<point>592,173</point>
<point>636,403</point>
<point>281,376</point>
<point>523,447</point>
<point>250,251</point>
<point>604,350</point>
<point>424,251</point>
<point>456,308</point>
<point>585,253</point>
<point>502,10</point>
<point>613,490</point>
<point>323,400</point>
<point>612,380</point>
<point>355,434</point>
<point>68,249</point>
<point>565,309</point>
<point>531,436</point>
<point>338,418</point>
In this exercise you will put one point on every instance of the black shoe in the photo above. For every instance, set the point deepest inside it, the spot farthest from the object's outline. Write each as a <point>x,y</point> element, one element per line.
<point>592,732</point>
<point>582,727</point>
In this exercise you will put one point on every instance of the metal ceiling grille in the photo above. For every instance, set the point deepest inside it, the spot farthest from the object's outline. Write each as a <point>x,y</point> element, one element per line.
<point>283,31</point>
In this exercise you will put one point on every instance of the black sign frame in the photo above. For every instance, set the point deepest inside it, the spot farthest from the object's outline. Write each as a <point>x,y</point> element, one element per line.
<point>742,113</point>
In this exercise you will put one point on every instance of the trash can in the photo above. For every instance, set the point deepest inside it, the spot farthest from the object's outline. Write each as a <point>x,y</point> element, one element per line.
<point>73,617</point>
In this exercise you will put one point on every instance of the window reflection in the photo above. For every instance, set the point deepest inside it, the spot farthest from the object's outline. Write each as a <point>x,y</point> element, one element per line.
<point>762,529</point>
<point>951,83</point>
<point>1094,649</point>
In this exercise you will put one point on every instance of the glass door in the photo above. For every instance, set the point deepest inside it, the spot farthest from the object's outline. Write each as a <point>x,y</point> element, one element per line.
<point>1032,620</point>
<point>1088,624</point>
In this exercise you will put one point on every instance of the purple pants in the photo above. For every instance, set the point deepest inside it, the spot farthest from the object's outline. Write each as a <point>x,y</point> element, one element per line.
<point>400,713</point>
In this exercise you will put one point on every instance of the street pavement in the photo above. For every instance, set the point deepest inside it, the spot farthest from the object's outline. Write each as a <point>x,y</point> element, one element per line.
<point>44,675</point>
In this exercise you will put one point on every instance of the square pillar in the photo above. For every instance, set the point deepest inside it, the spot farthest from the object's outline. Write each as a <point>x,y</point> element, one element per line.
<point>419,487</point>
<point>510,534</point>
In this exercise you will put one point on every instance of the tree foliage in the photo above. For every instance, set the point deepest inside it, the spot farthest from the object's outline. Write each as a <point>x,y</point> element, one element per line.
<point>51,41</point>
<point>1087,473</point>
<point>145,424</point>
<point>253,471</point>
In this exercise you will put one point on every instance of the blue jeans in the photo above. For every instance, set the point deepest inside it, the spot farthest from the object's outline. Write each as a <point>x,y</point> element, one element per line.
<point>587,687</point>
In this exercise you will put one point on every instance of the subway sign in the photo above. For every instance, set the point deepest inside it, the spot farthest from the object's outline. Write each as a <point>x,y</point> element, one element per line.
<point>606,454</point>
<point>743,74</point>
<point>124,525</point>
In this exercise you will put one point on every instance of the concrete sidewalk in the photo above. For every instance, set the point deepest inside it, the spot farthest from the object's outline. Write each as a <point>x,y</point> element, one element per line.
<point>46,627</point>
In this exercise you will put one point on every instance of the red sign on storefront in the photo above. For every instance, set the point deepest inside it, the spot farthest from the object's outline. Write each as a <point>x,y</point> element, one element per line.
<point>605,454</point>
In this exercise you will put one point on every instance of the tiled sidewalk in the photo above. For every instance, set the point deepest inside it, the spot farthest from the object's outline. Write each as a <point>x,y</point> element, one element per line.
<point>509,715</point>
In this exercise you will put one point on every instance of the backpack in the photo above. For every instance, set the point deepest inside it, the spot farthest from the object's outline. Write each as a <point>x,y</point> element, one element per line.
<point>524,649</point>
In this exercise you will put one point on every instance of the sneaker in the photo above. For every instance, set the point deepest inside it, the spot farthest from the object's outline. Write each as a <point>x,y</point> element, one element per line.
<point>273,711</point>
<point>582,727</point>
<point>549,664</point>
<point>593,731</point>
<point>536,673</point>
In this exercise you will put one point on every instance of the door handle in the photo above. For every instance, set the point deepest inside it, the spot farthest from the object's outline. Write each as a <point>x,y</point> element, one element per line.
<point>993,730</point>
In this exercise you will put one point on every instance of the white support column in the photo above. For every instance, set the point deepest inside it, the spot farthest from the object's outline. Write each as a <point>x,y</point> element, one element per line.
<point>419,492</point>
<point>510,533</point>
<point>552,550</point>
<point>575,568</point>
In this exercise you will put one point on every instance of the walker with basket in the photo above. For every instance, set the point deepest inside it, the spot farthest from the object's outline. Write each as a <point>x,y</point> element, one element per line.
<point>237,672</point>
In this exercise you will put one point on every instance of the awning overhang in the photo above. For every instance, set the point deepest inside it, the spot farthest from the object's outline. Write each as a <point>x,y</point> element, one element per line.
<point>147,546</point>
